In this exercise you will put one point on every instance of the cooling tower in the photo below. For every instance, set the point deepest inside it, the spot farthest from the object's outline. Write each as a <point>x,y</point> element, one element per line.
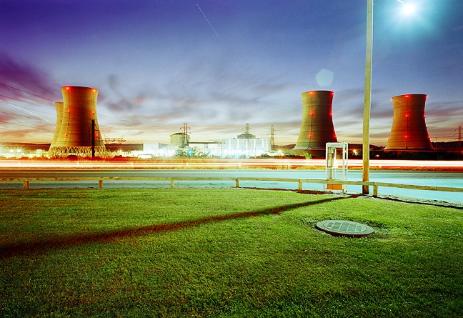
<point>74,135</point>
<point>409,132</point>
<point>59,117</point>
<point>317,121</point>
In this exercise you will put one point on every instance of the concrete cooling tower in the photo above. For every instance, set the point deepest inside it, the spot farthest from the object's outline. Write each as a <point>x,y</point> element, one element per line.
<point>74,126</point>
<point>59,116</point>
<point>317,120</point>
<point>409,132</point>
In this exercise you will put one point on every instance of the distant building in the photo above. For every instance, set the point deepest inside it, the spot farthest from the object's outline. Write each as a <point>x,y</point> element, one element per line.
<point>180,139</point>
<point>157,150</point>
<point>207,148</point>
<point>246,145</point>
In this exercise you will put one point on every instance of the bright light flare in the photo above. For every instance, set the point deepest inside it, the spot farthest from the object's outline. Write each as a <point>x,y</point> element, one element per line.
<point>408,9</point>
<point>220,164</point>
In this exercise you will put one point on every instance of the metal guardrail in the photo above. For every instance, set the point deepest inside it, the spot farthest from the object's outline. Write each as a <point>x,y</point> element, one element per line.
<point>300,182</point>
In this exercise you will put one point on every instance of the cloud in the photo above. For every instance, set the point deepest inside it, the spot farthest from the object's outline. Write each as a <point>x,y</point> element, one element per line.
<point>6,117</point>
<point>25,134</point>
<point>22,81</point>
<point>119,102</point>
<point>445,109</point>
<point>202,94</point>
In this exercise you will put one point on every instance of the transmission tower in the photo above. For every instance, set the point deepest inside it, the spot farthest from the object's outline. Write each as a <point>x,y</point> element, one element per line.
<point>272,136</point>
<point>185,129</point>
<point>459,136</point>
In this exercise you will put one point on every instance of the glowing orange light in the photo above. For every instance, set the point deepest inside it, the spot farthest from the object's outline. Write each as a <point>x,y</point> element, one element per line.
<point>68,88</point>
<point>311,93</point>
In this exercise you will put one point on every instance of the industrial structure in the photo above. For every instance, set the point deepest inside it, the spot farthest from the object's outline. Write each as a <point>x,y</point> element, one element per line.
<point>409,132</point>
<point>77,131</point>
<point>317,121</point>
<point>59,117</point>
<point>245,145</point>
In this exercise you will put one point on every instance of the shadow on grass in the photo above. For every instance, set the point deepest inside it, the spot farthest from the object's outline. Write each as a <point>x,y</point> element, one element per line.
<point>64,241</point>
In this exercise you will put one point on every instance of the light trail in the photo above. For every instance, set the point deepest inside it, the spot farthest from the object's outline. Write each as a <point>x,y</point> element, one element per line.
<point>218,164</point>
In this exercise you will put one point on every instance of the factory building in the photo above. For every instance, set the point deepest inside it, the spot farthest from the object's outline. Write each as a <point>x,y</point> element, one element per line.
<point>317,121</point>
<point>77,131</point>
<point>207,148</point>
<point>180,139</point>
<point>409,131</point>
<point>246,145</point>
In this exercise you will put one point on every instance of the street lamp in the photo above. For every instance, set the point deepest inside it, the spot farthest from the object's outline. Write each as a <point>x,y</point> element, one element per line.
<point>407,9</point>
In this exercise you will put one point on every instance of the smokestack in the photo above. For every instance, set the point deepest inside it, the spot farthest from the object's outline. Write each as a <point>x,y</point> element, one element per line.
<point>409,132</point>
<point>317,120</point>
<point>75,132</point>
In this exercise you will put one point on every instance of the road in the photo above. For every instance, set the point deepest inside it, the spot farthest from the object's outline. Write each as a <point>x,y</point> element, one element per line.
<point>447,179</point>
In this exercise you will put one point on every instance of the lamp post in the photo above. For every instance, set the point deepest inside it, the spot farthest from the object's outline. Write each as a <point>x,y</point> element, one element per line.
<point>367,98</point>
<point>407,9</point>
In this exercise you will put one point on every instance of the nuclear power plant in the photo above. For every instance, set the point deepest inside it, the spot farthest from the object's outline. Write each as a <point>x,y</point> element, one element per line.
<point>77,131</point>
<point>409,132</point>
<point>77,134</point>
<point>317,121</point>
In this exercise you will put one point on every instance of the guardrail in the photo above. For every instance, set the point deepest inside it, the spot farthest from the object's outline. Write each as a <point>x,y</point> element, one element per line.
<point>300,182</point>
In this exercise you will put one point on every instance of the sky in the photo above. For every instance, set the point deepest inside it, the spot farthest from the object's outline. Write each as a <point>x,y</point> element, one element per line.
<point>219,64</point>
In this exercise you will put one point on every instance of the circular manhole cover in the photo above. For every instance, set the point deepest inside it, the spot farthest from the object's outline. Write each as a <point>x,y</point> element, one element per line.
<point>344,228</point>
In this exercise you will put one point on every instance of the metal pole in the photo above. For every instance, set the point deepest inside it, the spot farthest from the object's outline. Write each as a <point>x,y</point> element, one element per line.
<point>367,97</point>
<point>93,138</point>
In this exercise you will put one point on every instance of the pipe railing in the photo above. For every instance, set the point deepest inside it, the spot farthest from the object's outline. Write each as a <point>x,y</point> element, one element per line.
<point>172,180</point>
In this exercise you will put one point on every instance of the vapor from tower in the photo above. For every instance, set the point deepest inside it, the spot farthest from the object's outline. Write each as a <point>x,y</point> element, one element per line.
<point>317,120</point>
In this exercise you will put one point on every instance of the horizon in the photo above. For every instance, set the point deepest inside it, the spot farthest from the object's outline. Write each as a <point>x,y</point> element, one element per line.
<point>217,65</point>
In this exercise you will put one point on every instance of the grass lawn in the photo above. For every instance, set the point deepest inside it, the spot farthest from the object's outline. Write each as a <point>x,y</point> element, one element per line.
<point>224,252</point>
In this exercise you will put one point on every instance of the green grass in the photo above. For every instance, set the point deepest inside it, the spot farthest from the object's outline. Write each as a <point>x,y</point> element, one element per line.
<point>269,263</point>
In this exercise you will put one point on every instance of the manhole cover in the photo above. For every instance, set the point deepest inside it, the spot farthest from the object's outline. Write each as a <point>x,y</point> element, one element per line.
<point>344,228</point>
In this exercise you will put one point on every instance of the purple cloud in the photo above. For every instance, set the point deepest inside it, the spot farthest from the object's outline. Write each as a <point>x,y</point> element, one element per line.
<point>22,81</point>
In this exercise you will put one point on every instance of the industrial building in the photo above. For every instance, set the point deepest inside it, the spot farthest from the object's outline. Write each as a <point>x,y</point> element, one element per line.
<point>409,131</point>
<point>180,139</point>
<point>246,145</point>
<point>317,121</point>
<point>77,131</point>
<point>207,148</point>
